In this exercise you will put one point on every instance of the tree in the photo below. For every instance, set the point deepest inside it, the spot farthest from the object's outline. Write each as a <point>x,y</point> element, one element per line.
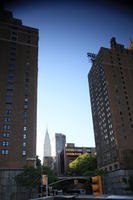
<point>38,162</point>
<point>84,165</point>
<point>30,178</point>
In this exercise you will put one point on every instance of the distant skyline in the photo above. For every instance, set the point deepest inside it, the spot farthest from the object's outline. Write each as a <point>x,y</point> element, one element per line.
<point>67,31</point>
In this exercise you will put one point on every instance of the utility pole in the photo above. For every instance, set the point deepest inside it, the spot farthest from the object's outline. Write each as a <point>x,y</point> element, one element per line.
<point>46,185</point>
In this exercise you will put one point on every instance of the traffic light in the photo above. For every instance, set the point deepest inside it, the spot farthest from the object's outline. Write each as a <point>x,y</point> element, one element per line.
<point>97,185</point>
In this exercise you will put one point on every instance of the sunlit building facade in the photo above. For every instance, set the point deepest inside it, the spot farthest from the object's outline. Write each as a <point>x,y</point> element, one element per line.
<point>47,145</point>
<point>47,159</point>
<point>70,153</point>
<point>110,84</point>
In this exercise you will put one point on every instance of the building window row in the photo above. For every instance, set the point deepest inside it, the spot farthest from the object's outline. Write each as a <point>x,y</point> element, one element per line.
<point>24,152</point>
<point>9,98</point>
<point>6,126</point>
<point>26,90</point>
<point>4,151</point>
<point>5,143</point>
<point>5,135</point>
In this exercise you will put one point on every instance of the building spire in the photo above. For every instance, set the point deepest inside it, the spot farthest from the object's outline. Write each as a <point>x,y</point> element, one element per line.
<point>47,145</point>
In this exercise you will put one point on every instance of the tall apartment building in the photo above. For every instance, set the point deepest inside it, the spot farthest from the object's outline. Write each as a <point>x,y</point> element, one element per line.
<point>18,93</point>
<point>110,81</point>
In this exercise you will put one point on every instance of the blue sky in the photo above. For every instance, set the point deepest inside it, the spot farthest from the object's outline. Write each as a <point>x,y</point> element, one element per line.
<point>67,31</point>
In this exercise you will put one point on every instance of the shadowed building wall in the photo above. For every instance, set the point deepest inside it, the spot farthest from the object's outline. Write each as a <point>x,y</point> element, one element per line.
<point>18,98</point>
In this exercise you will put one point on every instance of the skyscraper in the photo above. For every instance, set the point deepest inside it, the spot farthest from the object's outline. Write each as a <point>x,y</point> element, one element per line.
<point>60,141</point>
<point>47,145</point>
<point>18,93</point>
<point>47,159</point>
<point>110,84</point>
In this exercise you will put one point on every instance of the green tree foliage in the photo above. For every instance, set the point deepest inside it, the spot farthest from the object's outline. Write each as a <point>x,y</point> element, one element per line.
<point>30,178</point>
<point>38,162</point>
<point>84,165</point>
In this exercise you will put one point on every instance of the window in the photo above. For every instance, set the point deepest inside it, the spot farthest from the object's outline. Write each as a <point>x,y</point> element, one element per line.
<point>25,128</point>
<point>8,111</point>
<point>8,99</point>
<point>115,166</point>
<point>10,84</point>
<point>9,91</point>
<point>9,106</point>
<point>13,49</point>
<point>27,80</point>
<point>12,66</point>
<point>14,33</point>
<point>5,135</point>
<point>4,151</point>
<point>5,143</point>
<point>13,53</point>
<point>14,38</point>
<point>10,77</point>
<point>111,132</point>
<point>13,59</point>
<point>25,117</point>
<point>7,119</point>
<point>25,106</point>
<point>23,152</point>
<point>6,127</point>
<point>131,125</point>
<point>25,114</point>
<point>26,99</point>
<point>11,71</point>
<point>24,136</point>
<point>24,144</point>
<point>27,74</point>
<point>121,113</point>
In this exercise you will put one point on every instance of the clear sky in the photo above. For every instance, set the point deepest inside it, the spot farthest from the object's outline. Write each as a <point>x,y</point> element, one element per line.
<point>67,31</point>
